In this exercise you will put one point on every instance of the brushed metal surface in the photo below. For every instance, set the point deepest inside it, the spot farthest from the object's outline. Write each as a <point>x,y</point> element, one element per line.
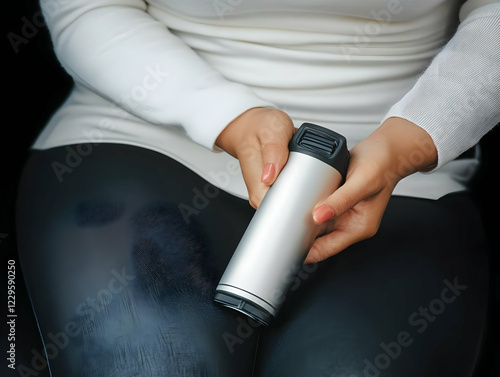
<point>281,232</point>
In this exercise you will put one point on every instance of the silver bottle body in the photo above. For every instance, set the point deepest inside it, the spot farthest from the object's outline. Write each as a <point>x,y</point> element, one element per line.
<point>280,234</point>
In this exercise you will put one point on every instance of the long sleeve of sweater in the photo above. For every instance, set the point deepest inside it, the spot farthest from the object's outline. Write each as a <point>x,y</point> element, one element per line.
<point>115,48</point>
<point>457,99</point>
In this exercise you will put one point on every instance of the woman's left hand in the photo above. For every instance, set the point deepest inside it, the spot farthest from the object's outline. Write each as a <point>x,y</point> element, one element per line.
<point>354,211</point>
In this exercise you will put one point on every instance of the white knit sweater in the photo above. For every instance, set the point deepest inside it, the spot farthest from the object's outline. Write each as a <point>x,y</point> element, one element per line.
<point>169,75</point>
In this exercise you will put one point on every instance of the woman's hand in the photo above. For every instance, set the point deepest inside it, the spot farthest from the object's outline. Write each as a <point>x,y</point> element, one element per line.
<point>259,139</point>
<point>353,213</point>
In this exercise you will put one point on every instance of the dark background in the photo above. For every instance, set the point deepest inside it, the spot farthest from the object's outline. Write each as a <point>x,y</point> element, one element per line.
<point>35,85</point>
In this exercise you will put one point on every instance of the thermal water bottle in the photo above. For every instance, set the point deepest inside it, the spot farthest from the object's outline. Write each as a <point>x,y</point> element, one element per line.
<point>282,229</point>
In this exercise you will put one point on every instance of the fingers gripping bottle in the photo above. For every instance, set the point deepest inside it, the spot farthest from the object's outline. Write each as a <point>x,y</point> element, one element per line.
<point>282,230</point>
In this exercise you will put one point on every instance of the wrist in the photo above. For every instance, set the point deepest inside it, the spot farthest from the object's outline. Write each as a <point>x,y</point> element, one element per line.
<point>231,134</point>
<point>252,127</point>
<point>410,147</point>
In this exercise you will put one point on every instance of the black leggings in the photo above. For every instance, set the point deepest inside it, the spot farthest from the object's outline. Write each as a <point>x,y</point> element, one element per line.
<point>122,247</point>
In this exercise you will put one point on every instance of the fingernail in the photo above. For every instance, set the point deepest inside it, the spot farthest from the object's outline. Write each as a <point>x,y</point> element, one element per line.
<point>322,214</point>
<point>267,172</point>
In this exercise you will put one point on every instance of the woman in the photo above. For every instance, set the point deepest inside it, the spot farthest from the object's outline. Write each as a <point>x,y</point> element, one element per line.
<point>137,191</point>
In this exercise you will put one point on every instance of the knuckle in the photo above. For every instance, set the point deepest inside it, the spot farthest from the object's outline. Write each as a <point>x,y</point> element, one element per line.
<point>343,203</point>
<point>316,249</point>
<point>279,122</point>
<point>320,249</point>
<point>265,134</point>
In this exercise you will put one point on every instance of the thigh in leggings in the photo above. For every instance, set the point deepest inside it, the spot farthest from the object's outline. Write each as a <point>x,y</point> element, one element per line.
<point>411,301</point>
<point>121,254</point>
<point>122,251</point>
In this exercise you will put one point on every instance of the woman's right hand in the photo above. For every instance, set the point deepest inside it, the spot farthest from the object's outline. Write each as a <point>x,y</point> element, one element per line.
<point>259,139</point>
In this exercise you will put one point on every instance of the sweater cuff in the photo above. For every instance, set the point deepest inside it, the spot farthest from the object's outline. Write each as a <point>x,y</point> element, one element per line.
<point>456,99</point>
<point>210,110</point>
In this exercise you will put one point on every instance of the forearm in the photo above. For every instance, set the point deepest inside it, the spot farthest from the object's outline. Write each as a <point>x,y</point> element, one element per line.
<point>115,48</point>
<point>457,99</point>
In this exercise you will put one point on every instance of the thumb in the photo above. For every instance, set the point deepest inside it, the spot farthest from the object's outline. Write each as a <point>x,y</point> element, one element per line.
<point>343,199</point>
<point>274,157</point>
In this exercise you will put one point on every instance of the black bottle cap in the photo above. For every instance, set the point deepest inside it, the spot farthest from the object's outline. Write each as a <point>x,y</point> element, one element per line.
<point>323,144</point>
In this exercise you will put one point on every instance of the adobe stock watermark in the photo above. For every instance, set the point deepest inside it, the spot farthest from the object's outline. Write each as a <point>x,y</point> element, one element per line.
<point>408,164</point>
<point>480,92</point>
<point>419,321</point>
<point>54,343</point>
<point>202,196</point>
<point>364,36</point>
<point>31,26</point>
<point>153,78</point>
<point>224,7</point>
<point>292,280</point>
